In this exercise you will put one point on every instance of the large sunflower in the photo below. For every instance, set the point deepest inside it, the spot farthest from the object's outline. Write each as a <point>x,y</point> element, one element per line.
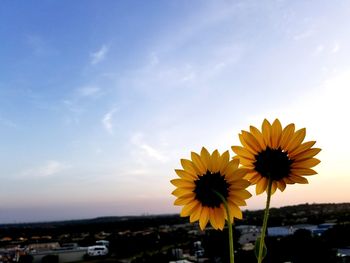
<point>276,154</point>
<point>201,179</point>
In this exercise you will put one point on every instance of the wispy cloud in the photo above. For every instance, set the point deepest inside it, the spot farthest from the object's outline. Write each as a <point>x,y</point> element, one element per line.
<point>304,35</point>
<point>146,149</point>
<point>152,152</point>
<point>107,120</point>
<point>335,48</point>
<point>49,168</point>
<point>319,49</point>
<point>99,55</point>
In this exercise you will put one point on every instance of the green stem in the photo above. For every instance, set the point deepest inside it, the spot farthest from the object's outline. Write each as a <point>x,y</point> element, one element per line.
<point>229,225</point>
<point>266,216</point>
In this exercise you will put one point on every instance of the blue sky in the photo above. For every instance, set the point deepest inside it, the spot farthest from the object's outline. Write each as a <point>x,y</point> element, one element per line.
<point>100,100</point>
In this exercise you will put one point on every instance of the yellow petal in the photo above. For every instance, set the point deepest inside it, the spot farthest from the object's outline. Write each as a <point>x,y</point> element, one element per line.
<point>238,174</point>
<point>301,148</point>
<point>219,217</point>
<point>255,179</point>
<point>215,158</point>
<point>298,179</point>
<point>225,159</point>
<point>266,132</point>
<point>245,145</point>
<point>296,140</point>
<point>250,175</point>
<point>203,220</point>
<point>308,163</point>
<point>184,200</point>
<point>287,135</point>
<point>261,185</point>
<point>241,172</point>
<point>303,171</point>
<point>281,185</point>
<point>196,159</point>
<point>234,162</point>
<point>235,211</point>
<point>237,201</point>
<point>231,167</point>
<point>242,152</point>
<point>288,181</point>
<point>189,166</point>
<point>307,154</point>
<point>239,184</point>
<point>273,187</point>
<point>212,218</point>
<point>246,162</point>
<point>205,155</point>
<point>276,132</point>
<point>241,194</point>
<point>188,208</point>
<point>186,175</point>
<point>250,140</point>
<point>181,191</point>
<point>258,136</point>
<point>183,183</point>
<point>196,213</point>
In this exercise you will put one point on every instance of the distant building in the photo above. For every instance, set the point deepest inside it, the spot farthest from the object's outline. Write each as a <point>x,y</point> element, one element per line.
<point>43,246</point>
<point>64,254</point>
<point>315,230</point>
<point>343,252</point>
<point>280,231</point>
<point>181,261</point>
<point>198,249</point>
<point>177,253</point>
<point>249,233</point>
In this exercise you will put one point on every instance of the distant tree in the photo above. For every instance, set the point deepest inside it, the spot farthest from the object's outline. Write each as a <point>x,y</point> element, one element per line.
<point>26,259</point>
<point>50,259</point>
<point>338,236</point>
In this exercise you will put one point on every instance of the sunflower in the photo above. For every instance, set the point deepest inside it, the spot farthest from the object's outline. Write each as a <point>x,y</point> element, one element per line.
<point>276,154</point>
<point>201,179</point>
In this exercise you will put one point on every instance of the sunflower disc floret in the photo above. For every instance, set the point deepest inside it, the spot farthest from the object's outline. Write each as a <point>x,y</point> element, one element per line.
<point>201,179</point>
<point>276,154</point>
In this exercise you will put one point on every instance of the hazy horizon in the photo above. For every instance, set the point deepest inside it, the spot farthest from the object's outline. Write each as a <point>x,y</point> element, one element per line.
<point>47,219</point>
<point>99,101</point>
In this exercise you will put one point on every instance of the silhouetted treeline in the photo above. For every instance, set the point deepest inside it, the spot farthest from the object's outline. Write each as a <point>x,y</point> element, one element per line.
<point>300,214</point>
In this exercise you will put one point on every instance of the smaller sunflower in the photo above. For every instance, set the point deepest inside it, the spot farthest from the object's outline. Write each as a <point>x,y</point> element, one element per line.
<point>201,178</point>
<point>276,154</point>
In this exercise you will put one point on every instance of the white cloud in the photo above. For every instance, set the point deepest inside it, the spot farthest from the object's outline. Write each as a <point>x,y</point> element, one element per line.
<point>107,120</point>
<point>319,49</point>
<point>335,48</point>
<point>152,152</point>
<point>303,35</point>
<point>51,167</point>
<point>145,149</point>
<point>99,55</point>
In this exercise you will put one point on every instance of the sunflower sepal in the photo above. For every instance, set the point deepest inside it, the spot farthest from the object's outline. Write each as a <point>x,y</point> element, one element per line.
<point>257,246</point>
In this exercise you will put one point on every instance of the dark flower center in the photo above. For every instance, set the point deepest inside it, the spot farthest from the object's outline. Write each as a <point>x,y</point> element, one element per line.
<point>273,163</point>
<point>207,185</point>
